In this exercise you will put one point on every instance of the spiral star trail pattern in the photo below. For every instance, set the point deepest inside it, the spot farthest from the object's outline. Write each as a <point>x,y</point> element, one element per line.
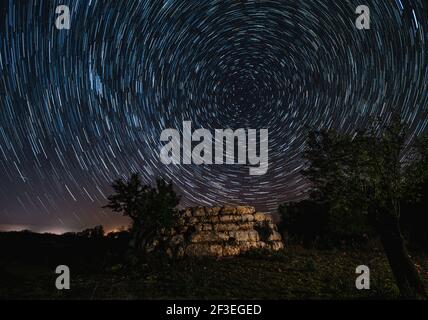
<point>82,107</point>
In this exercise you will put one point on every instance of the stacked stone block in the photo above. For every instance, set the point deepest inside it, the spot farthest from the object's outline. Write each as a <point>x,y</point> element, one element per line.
<point>221,231</point>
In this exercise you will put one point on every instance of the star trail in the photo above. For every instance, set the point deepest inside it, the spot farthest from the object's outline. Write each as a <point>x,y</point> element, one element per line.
<point>82,107</point>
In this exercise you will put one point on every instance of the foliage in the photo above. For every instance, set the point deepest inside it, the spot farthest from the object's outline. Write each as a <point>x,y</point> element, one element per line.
<point>314,225</point>
<point>414,215</point>
<point>98,272</point>
<point>360,173</point>
<point>362,177</point>
<point>151,209</point>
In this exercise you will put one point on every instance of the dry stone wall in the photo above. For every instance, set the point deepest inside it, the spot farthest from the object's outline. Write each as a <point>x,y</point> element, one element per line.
<point>220,231</point>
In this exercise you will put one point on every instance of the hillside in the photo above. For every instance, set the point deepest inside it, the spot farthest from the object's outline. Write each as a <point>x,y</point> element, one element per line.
<point>97,272</point>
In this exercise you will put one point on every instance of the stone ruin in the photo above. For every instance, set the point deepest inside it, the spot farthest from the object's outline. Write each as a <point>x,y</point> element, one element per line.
<point>220,232</point>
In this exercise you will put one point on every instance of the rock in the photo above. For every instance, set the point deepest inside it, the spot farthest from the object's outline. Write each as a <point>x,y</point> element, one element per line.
<point>207,227</point>
<point>246,226</point>
<point>240,235</point>
<point>193,220</point>
<point>247,218</point>
<point>209,236</point>
<point>226,227</point>
<point>199,212</point>
<point>186,213</point>
<point>268,218</point>
<point>212,219</point>
<point>219,232</point>
<point>277,245</point>
<point>212,211</point>
<point>228,210</point>
<point>253,235</point>
<point>204,249</point>
<point>251,245</point>
<point>229,218</point>
<point>242,210</point>
<point>275,236</point>
<point>259,217</point>
<point>229,250</point>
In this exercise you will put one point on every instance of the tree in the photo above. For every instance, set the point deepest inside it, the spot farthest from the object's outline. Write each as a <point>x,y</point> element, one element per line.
<point>151,209</point>
<point>414,216</point>
<point>363,174</point>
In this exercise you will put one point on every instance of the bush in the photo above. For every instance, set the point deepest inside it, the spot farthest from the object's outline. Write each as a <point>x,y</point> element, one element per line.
<point>151,208</point>
<point>302,222</point>
<point>313,224</point>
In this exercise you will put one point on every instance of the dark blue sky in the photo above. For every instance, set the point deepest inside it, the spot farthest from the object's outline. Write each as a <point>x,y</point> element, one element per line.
<point>81,107</point>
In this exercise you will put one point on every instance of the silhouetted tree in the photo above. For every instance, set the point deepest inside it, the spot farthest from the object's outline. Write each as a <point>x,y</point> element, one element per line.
<point>414,217</point>
<point>363,174</point>
<point>151,209</point>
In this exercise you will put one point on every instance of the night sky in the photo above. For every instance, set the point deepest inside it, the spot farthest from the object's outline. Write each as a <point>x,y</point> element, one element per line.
<point>82,107</point>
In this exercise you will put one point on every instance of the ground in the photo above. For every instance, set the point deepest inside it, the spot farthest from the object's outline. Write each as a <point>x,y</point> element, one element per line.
<point>98,272</point>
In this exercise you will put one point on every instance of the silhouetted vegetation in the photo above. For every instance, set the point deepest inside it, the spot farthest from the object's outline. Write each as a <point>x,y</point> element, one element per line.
<point>414,217</point>
<point>321,232</point>
<point>360,182</point>
<point>28,262</point>
<point>151,209</point>
<point>363,188</point>
<point>313,225</point>
<point>96,232</point>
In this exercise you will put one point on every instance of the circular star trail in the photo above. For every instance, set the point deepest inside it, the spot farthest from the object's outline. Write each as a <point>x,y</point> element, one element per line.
<point>85,106</point>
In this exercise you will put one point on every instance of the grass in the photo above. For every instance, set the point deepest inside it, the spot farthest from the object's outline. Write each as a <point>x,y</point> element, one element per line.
<point>97,272</point>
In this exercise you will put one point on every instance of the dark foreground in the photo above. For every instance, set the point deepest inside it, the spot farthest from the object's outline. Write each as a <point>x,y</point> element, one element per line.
<point>97,270</point>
